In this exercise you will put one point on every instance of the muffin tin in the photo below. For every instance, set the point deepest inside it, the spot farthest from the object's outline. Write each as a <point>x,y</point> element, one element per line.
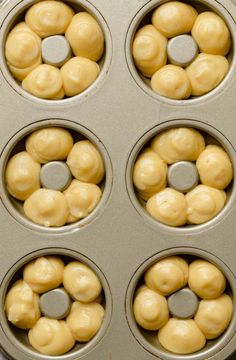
<point>119,114</point>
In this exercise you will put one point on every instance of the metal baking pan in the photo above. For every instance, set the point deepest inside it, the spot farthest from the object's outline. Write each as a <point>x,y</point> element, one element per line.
<point>119,113</point>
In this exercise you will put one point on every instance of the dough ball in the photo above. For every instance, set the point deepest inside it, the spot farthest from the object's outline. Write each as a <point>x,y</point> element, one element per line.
<point>78,74</point>
<point>47,207</point>
<point>181,337</point>
<point>71,219</point>
<point>44,273</point>
<point>49,144</point>
<point>51,337</point>
<point>203,203</point>
<point>60,95</point>
<point>214,316</point>
<point>44,82</point>
<point>47,18</point>
<point>85,320</point>
<point>174,18</point>
<point>150,309</point>
<point>81,282</point>
<point>21,74</point>
<point>171,81</point>
<point>206,280</point>
<point>169,207</point>
<point>86,163</point>
<point>178,144</point>
<point>167,275</point>
<point>149,50</point>
<point>206,73</point>
<point>215,167</point>
<point>85,36</point>
<point>22,50</point>
<point>82,198</point>
<point>22,175</point>
<point>212,34</point>
<point>22,305</point>
<point>149,174</point>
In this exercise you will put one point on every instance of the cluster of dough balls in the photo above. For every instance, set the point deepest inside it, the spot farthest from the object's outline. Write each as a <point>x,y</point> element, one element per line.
<point>207,70</point>
<point>164,278</point>
<point>47,335</point>
<point>168,205</point>
<point>48,207</point>
<point>24,56</point>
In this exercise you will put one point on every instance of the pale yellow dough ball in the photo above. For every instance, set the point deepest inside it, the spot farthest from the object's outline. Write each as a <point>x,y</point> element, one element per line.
<point>23,51</point>
<point>71,219</point>
<point>206,280</point>
<point>21,74</point>
<point>85,320</point>
<point>22,175</point>
<point>44,273</point>
<point>171,81</point>
<point>181,337</point>
<point>149,174</point>
<point>81,282</point>
<point>78,74</point>
<point>47,18</point>
<point>206,73</point>
<point>82,198</point>
<point>150,309</point>
<point>212,34</point>
<point>22,305</point>
<point>174,18</point>
<point>49,144</point>
<point>47,207</point>
<point>203,203</point>
<point>51,337</point>
<point>167,275</point>
<point>149,50</point>
<point>86,163</point>
<point>44,82</point>
<point>215,167</point>
<point>213,316</point>
<point>178,144</point>
<point>169,207</point>
<point>85,36</point>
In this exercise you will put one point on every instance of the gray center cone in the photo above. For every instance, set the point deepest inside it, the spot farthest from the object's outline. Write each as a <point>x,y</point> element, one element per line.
<point>183,176</point>
<point>182,50</point>
<point>55,304</point>
<point>56,50</point>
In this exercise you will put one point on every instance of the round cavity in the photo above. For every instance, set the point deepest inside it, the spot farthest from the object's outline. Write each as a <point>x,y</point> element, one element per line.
<point>149,339</point>
<point>182,50</point>
<point>55,174</point>
<point>183,304</point>
<point>148,186</point>
<point>183,176</point>
<point>16,340</point>
<point>55,304</point>
<point>160,84</point>
<point>56,50</point>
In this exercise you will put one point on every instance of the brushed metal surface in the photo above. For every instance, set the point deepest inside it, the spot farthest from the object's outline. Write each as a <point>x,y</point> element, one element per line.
<point>118,113</point>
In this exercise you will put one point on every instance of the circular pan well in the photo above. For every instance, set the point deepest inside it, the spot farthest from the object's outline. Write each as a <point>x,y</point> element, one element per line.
<point>212,136</point>
<point>17,143</point>
<point>146,338</point>
<point>143,17</point>
<point>16,341</point>
<point>16,14</point>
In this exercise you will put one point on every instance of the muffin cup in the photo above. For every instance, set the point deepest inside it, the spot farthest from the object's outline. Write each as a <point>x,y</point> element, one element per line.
<point>19,337</point>
<point>148,339</point>
<point>16,14</point>
<point>143,17</point>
